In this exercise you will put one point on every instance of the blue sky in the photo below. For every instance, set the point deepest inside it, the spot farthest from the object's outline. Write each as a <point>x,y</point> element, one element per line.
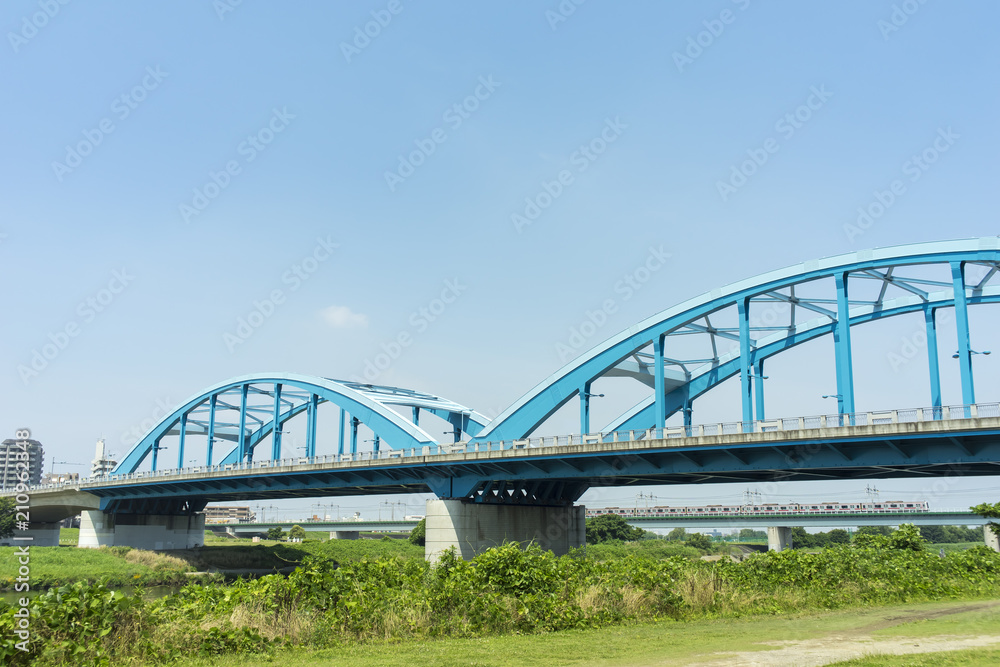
<point>130,164</point>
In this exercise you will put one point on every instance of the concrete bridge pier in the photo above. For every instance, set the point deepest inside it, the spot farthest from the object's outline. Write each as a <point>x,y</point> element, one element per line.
<point>475,527</point>
<point>345,534</point>
<point>992,539</point>
<point>142,531</point>
<point>779,538</point>
<point>41,534</point>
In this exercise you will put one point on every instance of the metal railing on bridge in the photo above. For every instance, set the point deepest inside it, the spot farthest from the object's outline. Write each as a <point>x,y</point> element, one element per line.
<point>911,415</point>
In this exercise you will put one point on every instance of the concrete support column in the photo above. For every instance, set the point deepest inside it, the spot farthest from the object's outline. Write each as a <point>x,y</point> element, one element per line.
<point>142,531</point>
<point>345,535</point>
<point>475,527</point>
<point>992,539</point>
<point>41,534</point>
<point>96,530</point>
<point>779,538</point>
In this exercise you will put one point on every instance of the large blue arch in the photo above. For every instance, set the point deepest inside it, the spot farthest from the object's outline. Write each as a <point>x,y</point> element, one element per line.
<point>288,396</point>
<point>676,382</point>
<point>642,416</point>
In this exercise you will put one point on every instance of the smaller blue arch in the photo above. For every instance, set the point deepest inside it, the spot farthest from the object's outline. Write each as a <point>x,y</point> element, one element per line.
<point>360,401</point>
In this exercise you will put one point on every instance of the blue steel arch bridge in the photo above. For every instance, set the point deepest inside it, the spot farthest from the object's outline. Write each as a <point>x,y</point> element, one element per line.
<point>678,355</point>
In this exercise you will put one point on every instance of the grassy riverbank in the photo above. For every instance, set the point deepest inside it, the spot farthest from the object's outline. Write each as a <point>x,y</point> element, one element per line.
<point>339,604</point>
<point>117,566</point>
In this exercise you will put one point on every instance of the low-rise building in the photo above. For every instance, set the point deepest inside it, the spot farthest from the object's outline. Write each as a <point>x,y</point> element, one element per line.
<point>229,514</point>
<point>60,477</point>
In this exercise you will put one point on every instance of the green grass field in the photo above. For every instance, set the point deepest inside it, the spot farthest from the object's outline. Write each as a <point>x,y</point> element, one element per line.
<point>967,658</point>
<point>670,642</point>
<point>56,566</point>
<point>268,554</point>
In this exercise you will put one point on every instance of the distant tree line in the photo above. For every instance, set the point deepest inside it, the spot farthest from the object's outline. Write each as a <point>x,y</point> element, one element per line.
<point>751,535</point>
<point>800,538</point>
<point>612,527</point>
<point>933,534</point>
<point>946,534</point>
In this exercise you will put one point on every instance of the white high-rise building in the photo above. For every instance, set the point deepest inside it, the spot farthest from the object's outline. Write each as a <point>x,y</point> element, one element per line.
<point>102,465</point>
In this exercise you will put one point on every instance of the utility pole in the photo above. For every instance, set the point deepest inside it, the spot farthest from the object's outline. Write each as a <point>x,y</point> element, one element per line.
<point>392,508</point>
<point>872,495</point>
<point>329,506</point>
<point>751,498</point>
<point>643,496</point>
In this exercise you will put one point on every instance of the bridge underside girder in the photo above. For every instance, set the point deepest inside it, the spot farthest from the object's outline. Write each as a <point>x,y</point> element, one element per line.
<point>560,475</point>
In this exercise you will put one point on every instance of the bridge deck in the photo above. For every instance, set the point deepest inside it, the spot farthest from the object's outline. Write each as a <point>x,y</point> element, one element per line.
<point>941,448</point>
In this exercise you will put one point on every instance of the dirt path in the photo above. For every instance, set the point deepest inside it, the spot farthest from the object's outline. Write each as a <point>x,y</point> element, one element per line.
<point>858,643</point>
<point>816,652</point>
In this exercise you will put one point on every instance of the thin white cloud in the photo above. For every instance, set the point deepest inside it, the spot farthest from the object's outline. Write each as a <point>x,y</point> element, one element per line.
<point>342,317</point>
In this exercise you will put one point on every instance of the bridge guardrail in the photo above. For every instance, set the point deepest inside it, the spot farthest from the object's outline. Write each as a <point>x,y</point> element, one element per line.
<point>908,415</point>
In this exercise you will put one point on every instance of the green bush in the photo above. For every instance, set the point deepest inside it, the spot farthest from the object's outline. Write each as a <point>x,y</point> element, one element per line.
<point>874,569</point>
<point>80,624</point>
<point>7,516</point>
<point>608,527</point>
<point>698,541</point>
<point>655,549</point>
<point>418,535</point>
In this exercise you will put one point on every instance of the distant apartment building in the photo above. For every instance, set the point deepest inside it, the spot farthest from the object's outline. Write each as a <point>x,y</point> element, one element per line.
<point>103,464</point>
<point>14,451</point>
<point>229,513</point>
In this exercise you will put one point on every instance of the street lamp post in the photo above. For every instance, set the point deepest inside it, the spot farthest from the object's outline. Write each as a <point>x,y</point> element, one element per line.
<point>585,397</point>
<point>758,378</point>
<point>984,352</point>
<point>840,405</point>
<point>958,355</point>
